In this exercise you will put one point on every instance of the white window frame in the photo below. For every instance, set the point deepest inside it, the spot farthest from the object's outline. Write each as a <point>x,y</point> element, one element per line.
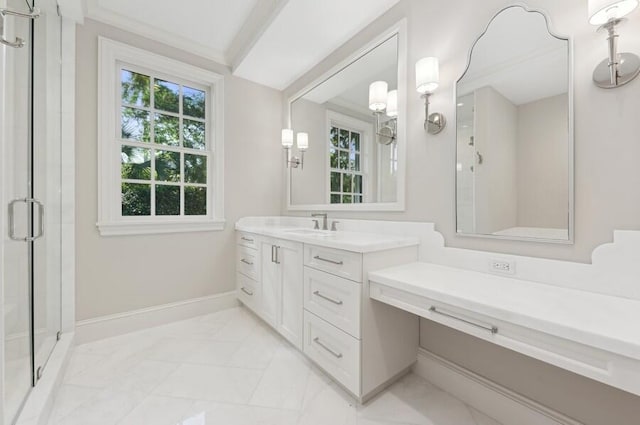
<point>112,56</point>
<point>346,122</point>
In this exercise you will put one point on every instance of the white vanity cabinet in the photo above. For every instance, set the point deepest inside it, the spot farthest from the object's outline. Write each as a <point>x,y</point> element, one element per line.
<point>362,343</point>
<point>269,282</point>
<point>281,278</point>
<point>317,296</point>
<point>247,271</point>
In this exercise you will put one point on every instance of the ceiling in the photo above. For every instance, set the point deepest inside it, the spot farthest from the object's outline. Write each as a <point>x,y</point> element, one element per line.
<point>271,42</point>
<point>350,86</point>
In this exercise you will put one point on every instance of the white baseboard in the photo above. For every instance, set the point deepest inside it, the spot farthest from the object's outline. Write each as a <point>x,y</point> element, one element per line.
<point>131,321</point>
<point>490,398</point>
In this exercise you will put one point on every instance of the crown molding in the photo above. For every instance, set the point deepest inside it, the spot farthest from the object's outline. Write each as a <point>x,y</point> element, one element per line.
<point>139,27</point>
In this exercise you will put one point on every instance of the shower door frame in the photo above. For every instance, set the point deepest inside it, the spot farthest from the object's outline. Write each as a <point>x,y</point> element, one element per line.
<point>67,243</point>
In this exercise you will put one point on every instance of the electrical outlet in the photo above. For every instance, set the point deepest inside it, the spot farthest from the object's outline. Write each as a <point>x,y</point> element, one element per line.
<point>502,266</point>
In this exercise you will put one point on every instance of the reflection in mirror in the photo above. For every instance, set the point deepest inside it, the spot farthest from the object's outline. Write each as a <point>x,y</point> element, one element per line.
<point>514,132</point>
<point>353,153</point>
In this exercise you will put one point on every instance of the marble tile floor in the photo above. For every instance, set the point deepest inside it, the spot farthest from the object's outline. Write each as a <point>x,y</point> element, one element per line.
<point>229,368</point>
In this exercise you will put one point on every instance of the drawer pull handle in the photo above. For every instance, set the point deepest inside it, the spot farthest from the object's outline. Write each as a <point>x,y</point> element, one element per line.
<point>334,353</point>
<point>492,329</point>
<point>319,258</point>
<point>248,263</point>
<point>324,297</point>
<point>246,239</point>
<point>246,292</point>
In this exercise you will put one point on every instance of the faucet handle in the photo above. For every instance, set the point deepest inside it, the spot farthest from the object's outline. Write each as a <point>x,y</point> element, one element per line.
<point>333,226</point>
<point>316,225</point>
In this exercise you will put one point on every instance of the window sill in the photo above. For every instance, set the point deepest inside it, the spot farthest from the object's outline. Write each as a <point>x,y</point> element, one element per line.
<point>158,227</point>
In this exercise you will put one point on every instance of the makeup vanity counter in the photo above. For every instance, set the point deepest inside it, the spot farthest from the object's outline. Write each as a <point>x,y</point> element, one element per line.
<point>311,286</point>
<point>590,334</point>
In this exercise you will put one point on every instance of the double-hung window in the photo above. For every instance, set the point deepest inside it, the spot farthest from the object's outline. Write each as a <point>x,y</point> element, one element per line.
<point>160,139</point>
<point>348,138</point>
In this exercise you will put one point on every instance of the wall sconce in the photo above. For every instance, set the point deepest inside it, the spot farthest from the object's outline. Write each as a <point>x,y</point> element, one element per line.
<point>380,99</point>
<point>427,81</point>
<point>619,68</point>
<point>287,144</point>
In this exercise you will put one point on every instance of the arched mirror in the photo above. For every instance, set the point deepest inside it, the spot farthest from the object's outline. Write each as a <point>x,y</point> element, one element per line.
<point>515,132</point>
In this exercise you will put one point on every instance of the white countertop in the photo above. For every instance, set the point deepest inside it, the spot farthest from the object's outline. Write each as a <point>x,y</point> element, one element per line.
<point>606,322</point>
<point>346,240</point>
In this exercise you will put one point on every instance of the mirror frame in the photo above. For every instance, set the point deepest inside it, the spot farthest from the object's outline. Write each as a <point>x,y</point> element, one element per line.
<point>400,30</point>
<point>571,141</point>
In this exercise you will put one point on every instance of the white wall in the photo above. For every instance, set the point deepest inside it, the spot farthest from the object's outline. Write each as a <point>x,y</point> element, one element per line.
<point>606,174</point>
<point>309,186</point>
<point>118,274</point>
<point>542,176</point>
<point>496,194</point>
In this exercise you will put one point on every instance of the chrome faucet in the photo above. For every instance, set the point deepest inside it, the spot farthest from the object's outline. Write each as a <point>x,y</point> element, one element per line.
<point>324,220</point>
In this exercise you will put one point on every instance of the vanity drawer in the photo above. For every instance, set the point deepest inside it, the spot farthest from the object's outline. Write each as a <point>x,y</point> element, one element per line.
<point>337,352</point>
<point>248,291</point>
<point>247,262</point>
<point>340,263</point>
<point>334,299</point>
<point>247,239</point>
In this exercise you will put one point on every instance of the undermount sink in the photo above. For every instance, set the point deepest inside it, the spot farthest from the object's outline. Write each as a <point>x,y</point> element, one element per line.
<point>310,232</point>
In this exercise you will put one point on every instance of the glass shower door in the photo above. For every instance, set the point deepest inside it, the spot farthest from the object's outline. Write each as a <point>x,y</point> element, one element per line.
<point>16,179</point>
<point>46,186</point>
<point>30,117</point>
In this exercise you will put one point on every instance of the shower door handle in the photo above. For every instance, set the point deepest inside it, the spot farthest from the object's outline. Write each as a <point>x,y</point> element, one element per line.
<point>18,43</point>
<point>34,13</point>
<point>40,219</point>
<point>12,224</point>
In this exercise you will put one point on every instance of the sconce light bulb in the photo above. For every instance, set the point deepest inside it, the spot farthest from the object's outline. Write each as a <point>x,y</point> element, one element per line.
<point>378,96</point>
<point>392,104</point>
<point>427,75</point>
<point>303,141</point>
<point>287,138</point>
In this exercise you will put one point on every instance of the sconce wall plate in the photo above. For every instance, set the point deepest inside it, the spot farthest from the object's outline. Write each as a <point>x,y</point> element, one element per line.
<point>619,68</point>
<point>436,123</point>
<point>628,69</point>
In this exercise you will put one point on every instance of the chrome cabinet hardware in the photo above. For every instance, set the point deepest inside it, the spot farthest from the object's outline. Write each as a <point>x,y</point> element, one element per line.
<point>326,260</point>
<point>324,297</point>
<point>492,329</point>
<point>248,263</point>
<point>246,239</point>
<point>243,289</point>
<point>275,254</point>
<point>321,344</point>
<point>12,227</point>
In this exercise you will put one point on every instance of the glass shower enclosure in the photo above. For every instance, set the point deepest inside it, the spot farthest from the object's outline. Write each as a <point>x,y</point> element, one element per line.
<point>30,135</point>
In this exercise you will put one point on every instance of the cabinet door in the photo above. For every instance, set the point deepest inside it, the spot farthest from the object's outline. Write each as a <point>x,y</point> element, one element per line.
<point>290,317</point>
<point>270,279</point>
